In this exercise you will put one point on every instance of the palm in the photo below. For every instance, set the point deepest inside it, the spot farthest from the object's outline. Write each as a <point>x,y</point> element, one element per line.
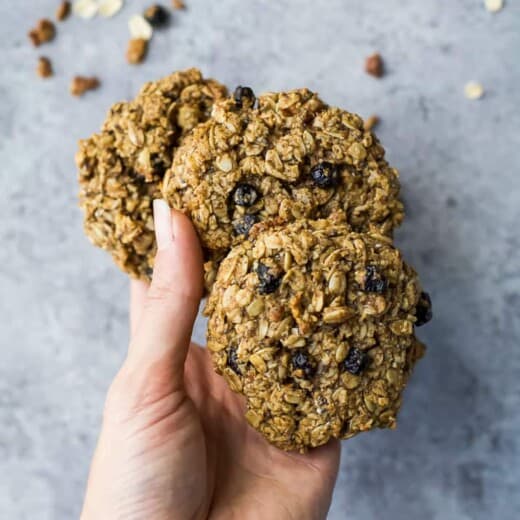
<point>246,476</point>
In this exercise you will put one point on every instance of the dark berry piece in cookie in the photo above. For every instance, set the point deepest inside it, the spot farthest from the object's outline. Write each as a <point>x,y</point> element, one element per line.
<point>423,312</point>
<point>245,195</point>
<point>157,15</point>
<point>301,361</point>
<point>267,282</point>
<point>325,174</point>
<point>244,95</point>
<point>355,361</point>
<point>374,282</point>
<point>244,225</point>
<point>232,361</point>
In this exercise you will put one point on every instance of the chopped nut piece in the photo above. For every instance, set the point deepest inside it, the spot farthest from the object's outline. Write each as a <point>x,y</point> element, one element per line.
<point>157,15</point>
<point>374,65</point>
<point>178,4</point>
<point>81,84</point>
<point>493,6</point>
<point>473,90</point>
<point>108,8</point>
<point>139,27</point>
<point>136,51</point>
<point>371,122</point>
<point>44,69</point>
<point>42,33</point>
<point>85,8</point>
<point>63,11</point>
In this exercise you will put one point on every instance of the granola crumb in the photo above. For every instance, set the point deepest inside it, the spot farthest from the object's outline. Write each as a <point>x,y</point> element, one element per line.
<point>473,90</point>
<point>374,65</point>
<point>178,4</point>
<point>493,6</point>
<point>63,11</point>
<point>45,31</point>
<point>371,122</point>
<point>136,52</point>
<point>44,69</point>
<point>82,84</point>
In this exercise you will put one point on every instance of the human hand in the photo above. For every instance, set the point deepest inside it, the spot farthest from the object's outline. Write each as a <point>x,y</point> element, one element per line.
<point>174,442</point>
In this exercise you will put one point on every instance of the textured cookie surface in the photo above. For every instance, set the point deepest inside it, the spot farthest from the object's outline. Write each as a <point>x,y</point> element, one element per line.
<point>289,158</point>
<point>122,166</point>
<point>314,325</point>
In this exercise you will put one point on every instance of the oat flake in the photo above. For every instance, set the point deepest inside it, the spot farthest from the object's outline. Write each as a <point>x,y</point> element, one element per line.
<point>140,28</point>
<point>108,8</point>
<point>85,8</point>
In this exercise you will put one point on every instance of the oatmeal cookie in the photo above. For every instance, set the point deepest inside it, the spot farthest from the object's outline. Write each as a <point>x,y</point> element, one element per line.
<point>121,167</point>
<point>285,156</point>
<point>314,325</point>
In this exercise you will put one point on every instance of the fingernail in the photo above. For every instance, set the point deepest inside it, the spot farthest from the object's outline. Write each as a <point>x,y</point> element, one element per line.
<point>163,224</point>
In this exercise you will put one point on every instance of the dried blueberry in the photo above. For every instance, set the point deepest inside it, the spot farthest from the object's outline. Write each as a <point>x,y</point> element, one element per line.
<point>244,94</point>
<point>243,226</point>
<point>157,15</point>
<point>423,312</point>
<point>267,282</point>
<point>301,361</point>
<point>325,174</point>
<point>355,361</point>
<point>232,360</point>
<point>245,195</point>
<point>374,282</point>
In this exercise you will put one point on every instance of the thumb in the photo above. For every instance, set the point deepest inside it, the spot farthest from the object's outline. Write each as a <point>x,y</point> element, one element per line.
<point>163,335</point>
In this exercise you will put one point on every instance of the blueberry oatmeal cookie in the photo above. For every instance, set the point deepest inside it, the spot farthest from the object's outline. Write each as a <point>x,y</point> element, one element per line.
<point>314,325</point>
<point>122,166</point>
<point>283,156</point>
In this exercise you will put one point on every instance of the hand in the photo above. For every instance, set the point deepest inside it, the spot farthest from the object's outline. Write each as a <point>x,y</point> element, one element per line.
<point>174,443</point>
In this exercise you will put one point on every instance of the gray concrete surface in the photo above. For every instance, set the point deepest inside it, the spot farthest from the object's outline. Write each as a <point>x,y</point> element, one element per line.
<point>63,306</point>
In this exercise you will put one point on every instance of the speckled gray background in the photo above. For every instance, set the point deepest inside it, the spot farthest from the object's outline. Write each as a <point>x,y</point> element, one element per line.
<point>63,306</point>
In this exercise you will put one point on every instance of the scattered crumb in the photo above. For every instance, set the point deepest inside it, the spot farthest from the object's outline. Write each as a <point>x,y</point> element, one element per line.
<point>44,69</point>
<point>136,52</point>
<point>63,11</point>
<point>81,84</point>
<point>371,122</point>
<point>157,16</point>
<point>374,65</point>
<point>42,33</point>
<point>139,27</point>
<point>85,8</point>
<point>178,4</point>
<point>109,8</point>
<point>473,90</point>
<point>493,6</point>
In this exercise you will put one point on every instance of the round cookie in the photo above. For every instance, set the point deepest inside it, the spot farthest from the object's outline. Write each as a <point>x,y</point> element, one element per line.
<point>314,325</point>
<point>121,168</point>
<point>285,156</point>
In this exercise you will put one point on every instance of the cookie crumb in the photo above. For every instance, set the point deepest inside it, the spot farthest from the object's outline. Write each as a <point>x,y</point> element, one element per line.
<point>82,84</point>
<point>178,4</point>
<point>157,16</point>
<point>473,90</point>
<point>371,122</point>
<point>63,11</point>
<point>43,32</point>
<point>44,69</point>
<point>136,52</point>
<point>493,6</point>
<point>139,27</point>
<point>374,65</point>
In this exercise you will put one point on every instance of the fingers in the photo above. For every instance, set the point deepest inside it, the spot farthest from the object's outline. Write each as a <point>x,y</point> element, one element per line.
<point>138,291</point>
<point>170,306</point>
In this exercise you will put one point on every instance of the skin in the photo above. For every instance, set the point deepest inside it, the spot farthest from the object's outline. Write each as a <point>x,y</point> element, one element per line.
<point>174,443</point>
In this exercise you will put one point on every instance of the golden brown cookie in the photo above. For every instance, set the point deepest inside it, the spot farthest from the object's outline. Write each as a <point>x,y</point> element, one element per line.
<point>314,325</point>
<point>285,156</point>
<point>121,167</point>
